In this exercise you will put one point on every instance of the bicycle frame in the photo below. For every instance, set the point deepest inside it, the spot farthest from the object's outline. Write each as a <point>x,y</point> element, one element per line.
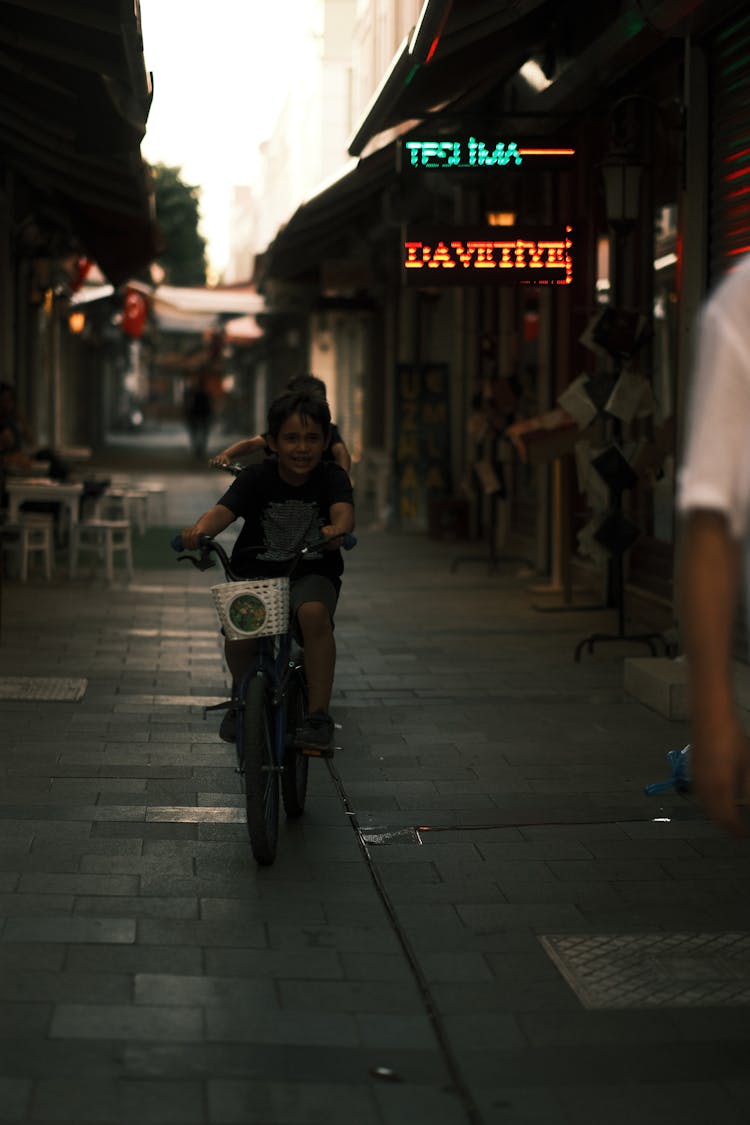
<point>273,662</point>
<point>261,700</point>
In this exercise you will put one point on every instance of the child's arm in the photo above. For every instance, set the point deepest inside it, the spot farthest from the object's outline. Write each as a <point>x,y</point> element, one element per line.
<point>210,523</point>
<point>341,455</point>
<point>342,522</point>
<point>242,448</point>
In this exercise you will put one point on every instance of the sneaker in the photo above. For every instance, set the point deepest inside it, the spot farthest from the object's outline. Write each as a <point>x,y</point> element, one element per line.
<point>315,736</point>
<point>228,728</point>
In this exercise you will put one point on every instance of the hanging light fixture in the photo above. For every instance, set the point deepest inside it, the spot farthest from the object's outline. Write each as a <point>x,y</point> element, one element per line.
<point>622,190</point>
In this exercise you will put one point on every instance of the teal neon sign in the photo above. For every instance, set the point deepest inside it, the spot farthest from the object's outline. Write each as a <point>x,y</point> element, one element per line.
<point>471,153</point>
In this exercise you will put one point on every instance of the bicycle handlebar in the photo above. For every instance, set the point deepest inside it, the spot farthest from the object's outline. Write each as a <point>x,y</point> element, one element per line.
<point>207,546</point>
<point>348,541</point>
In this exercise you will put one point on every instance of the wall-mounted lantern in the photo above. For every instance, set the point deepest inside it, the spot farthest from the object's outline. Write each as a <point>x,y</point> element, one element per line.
<point>622,190</point>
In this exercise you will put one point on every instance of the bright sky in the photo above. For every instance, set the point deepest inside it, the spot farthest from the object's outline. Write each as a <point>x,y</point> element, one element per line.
<point>220,69</point>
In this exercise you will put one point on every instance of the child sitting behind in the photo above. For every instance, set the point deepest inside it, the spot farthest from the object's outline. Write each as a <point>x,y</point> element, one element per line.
<point>336,449</point>
<point>286,501</point>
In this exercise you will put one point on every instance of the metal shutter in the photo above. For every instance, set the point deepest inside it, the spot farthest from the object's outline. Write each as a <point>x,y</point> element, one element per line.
<point>729,55</point>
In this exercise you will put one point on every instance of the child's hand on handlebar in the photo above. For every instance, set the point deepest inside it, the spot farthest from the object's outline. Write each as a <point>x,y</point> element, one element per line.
<point>334,535</point>
<point>190,537</point>
<point>220,461</point>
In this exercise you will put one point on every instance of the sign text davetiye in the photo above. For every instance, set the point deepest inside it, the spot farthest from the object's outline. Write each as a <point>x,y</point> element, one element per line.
<point>487,256</point>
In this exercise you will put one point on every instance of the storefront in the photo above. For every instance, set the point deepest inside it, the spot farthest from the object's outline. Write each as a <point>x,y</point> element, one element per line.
<point>623,87</point>
<point>74,187</point>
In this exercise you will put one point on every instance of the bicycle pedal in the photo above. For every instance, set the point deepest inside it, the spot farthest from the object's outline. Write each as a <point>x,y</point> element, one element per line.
<point>317,752</point>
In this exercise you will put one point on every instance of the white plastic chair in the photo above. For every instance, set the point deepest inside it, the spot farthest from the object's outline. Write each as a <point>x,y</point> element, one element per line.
<point>32,535</point>
<point>124,504</point>
<point>105,539</point>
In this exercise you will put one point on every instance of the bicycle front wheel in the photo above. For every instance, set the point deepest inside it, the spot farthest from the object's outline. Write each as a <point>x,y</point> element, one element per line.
<point>294,777</point>
<point>260,773</point>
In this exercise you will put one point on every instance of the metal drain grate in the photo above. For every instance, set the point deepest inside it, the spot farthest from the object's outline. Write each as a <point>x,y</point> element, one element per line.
<point>656,970</point>
<point>380,836</point>
<point>45,689</point>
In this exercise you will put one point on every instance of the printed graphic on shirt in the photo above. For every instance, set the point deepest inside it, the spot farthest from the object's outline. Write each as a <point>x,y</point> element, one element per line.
<point>288,526</point>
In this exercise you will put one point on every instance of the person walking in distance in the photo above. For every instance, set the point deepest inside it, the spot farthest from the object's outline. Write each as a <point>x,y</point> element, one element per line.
<point>198,414</point>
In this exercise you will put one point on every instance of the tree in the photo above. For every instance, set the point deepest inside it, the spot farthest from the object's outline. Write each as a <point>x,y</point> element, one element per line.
<point>178,214</point>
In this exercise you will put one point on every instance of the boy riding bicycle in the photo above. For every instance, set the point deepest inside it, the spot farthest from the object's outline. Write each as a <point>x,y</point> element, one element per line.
<point>287,501</point>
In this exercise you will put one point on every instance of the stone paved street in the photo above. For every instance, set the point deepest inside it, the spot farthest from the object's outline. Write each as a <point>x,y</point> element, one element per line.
<point>395,966</point>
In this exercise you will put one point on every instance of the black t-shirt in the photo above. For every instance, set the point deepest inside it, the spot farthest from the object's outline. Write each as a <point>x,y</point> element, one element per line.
<point>284,517</point>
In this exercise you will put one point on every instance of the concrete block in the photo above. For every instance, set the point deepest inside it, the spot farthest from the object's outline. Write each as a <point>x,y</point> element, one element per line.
<point>658,683</point>
<point>662,685</point>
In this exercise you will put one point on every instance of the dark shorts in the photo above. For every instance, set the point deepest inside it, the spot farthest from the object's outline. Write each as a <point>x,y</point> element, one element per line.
<point>312,588</point>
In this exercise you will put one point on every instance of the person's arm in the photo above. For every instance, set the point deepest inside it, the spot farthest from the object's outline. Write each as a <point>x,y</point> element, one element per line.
<point>242,448</point>
<point>341,455</point>
<point>212,522</point>
<point>709,594</point>
<point>342,522</point>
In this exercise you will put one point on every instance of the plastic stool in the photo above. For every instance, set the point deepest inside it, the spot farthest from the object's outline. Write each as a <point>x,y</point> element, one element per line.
<point>32,535</point>
<point>105,537</point>
<point>123,504</point>
<point>155,492</point>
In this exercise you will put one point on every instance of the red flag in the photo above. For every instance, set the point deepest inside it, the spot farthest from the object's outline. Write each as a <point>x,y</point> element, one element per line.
<point>134,310</point>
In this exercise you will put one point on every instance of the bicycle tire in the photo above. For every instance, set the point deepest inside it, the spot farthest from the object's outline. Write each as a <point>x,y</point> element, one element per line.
<point>261,778</point>
<point>296,765</point>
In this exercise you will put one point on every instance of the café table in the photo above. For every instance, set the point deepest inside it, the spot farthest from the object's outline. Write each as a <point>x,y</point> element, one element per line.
<point>22,489</point>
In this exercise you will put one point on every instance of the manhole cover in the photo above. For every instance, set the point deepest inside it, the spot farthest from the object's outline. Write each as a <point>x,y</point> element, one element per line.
<point>654,970</point>
<point>47,689</point>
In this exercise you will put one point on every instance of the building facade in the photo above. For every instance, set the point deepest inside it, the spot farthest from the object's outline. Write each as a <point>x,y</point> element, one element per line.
<point>74,190</point>
<point>540,411</point>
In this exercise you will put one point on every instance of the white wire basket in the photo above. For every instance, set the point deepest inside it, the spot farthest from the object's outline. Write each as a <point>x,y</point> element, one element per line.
<point>259,608</point>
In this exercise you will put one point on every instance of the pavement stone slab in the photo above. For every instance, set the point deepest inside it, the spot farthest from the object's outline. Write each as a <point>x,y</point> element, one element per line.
<point>67,929</point>
<point>257,1103</point>
<point>488,792</point>
<point>126,1021</point>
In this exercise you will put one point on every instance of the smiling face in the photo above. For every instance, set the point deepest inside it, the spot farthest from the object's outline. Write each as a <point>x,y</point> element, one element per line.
<point>299,447</point>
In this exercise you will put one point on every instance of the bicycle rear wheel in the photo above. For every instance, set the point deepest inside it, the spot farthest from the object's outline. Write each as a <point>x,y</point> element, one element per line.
<point>294,777</point>
<point>260,774</point>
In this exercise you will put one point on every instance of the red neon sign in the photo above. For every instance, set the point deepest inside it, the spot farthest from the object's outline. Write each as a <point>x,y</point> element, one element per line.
<point>487,256</point>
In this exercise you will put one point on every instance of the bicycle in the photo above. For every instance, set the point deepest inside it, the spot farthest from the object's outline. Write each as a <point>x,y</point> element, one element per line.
<point>271,698</point>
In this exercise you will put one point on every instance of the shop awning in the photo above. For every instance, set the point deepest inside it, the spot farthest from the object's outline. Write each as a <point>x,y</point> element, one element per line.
<point>607,51</point>
<point>185,309</point>
<point>325,225</point>
<point>74,99</point>
<point>458,48</point>
<point>242,331</point>
<point>461,50</point>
